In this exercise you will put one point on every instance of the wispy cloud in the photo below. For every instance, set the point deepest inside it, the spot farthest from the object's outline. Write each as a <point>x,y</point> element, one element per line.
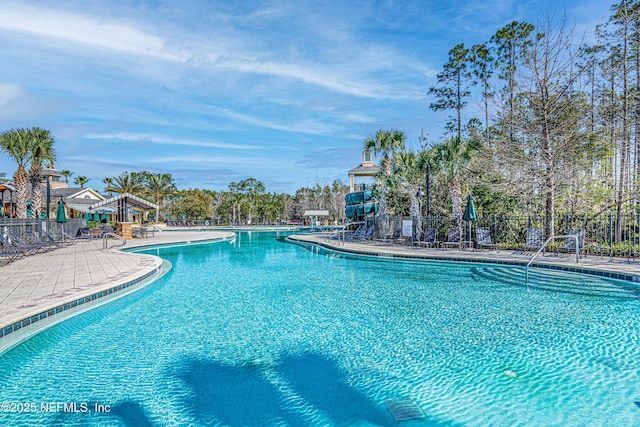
<point>9,92</point>
<point>230,53</point>
<point>308,126</point>
<point>281,89</point>
<point>163,140</point>
<point>83,29</point>
<point>253,162</point>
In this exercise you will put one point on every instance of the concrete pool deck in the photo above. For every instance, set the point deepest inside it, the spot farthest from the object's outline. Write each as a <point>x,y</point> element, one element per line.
<point>41,282</point>
<point>603,266</point>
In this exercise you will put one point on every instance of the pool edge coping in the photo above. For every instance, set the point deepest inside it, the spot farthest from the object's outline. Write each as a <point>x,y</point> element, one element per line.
<point>601,272</point>
<point>75,306</point>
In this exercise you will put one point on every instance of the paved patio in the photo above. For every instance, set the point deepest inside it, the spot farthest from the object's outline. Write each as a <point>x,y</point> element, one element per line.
<point>40,282</point>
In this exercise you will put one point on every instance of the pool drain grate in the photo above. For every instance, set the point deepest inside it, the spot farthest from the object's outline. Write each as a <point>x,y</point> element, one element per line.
<point>404,409</point>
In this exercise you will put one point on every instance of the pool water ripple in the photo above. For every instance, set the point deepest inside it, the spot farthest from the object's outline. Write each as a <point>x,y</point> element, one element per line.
<point>263,332</point>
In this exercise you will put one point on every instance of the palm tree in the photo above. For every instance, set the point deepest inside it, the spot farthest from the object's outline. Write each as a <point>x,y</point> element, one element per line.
<point>108,182</point>
<point>452,156</point>
<point>81,180</point>
<point>158,186</point>
<point>15,144</point>
<point>41,147</point>
<point>66,174</point>
<point>125,183</point>
<point>409,168</point>
<point>387,144</point>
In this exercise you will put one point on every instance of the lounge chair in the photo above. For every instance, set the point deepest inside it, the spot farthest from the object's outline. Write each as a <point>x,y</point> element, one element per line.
<point>396,237</point>
<point>570,242</point>
<point>533,240</point>
<point>428,240</point>
<point>38,241</point>
<point>350,237</point>
<point>20,243</point>
<point>367,233</point>
<point>63,242</point>
<point>483,239</point>
<point>9,253</point>
<point>453,238</point>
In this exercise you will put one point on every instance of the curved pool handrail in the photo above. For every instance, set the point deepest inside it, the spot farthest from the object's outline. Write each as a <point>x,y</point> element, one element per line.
<point>564,236</point>
<point>105,240</point>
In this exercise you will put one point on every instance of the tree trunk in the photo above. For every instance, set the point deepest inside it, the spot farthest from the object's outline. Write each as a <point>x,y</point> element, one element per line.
<point>416,216</point>
<point>21,181</point>
<point>36,197</point>
<point>625,139</point>
<point>455,192</point>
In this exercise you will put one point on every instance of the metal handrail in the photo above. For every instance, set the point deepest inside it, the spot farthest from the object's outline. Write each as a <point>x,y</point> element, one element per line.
<point>564,236</point>
<point>342,231</point>
<point>105,240</point>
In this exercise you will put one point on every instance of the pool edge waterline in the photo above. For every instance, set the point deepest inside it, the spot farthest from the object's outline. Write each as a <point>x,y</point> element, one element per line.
<point>18,331</point>
<point>610,273</point>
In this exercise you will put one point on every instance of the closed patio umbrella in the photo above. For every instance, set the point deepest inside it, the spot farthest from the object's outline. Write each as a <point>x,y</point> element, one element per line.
<point>88,217</point>
<point>105,218</point>
<point>96,217</point>
<point>61,218</point>
<point>470,213</point>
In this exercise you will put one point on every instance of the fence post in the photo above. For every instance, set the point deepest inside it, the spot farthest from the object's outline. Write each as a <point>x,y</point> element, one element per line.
<point>495,229</point>
<point>610,235</point>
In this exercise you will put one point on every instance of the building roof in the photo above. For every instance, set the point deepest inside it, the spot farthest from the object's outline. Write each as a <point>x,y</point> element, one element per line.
<point>51,172</point>
<point>130,201</point>
<point>316,213</point>
<point>7,186</point>
<point>365,170</point>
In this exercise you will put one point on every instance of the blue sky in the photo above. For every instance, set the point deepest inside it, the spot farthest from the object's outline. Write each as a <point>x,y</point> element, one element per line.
<point>284,91</point>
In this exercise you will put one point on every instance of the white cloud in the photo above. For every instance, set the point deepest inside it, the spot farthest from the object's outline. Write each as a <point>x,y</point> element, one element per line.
<point>9,92</point>
<point>302,126</point>
<point>157,139</point>
<point>83,29</point>
<point>233,50</point>
<point>193,159</point>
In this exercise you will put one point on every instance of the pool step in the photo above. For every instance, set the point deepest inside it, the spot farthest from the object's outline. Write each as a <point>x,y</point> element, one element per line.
<point>404,409</point>
<point>553,281</point>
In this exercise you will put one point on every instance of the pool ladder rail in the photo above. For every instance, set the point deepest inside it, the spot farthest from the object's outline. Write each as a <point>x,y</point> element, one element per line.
<point>563,236</point>
<point>338,233</point>
<point>105,240</point>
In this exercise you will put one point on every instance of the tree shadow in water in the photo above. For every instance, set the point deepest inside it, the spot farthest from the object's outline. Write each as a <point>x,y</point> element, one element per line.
<point>131,413</point>
<point>321,382</point>
<point>233,395</point>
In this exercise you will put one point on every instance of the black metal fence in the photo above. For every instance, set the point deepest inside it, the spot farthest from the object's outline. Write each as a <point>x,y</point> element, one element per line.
<point>604,234</point>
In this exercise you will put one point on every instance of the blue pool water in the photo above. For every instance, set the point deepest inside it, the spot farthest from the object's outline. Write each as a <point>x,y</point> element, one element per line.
<point>266,333</point>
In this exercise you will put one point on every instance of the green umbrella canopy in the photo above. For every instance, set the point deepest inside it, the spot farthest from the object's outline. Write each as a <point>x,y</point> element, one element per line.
<point>105,217</point>
<point>29,208</point>
<point>60,216</point>
<point>470,213</point>
<point>88,217</point>
<point>96,217</point>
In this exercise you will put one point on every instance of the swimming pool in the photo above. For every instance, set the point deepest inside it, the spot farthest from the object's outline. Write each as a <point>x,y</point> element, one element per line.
<point>263,332</point>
